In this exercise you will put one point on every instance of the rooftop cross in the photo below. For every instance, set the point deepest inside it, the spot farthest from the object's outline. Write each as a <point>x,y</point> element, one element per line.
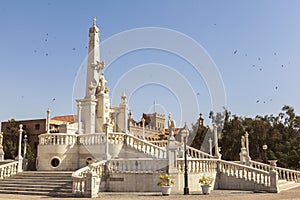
<point>94,21</point>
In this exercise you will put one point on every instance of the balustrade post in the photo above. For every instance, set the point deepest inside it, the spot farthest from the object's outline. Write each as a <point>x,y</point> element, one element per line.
<point>274,181</point>
<point>20,158</point>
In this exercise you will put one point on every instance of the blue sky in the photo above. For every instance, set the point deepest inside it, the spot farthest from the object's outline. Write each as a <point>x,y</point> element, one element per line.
<point>254,44</point>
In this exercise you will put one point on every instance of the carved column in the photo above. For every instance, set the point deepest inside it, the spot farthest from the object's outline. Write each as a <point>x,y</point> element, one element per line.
<point>1,147</point>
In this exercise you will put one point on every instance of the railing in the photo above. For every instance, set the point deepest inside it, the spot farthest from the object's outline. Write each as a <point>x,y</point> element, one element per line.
<point>160,143</point>
<point>57,139</point>
<point>8,169</point>
<point>198,166</point>
<point>79,176</point>
<point>288,174</point>
<point>145,147</point>
<point>283,173</point>
<point>196,153</point>
<point>245,172</point>
<point>100,138</point>
<point>137,165</point>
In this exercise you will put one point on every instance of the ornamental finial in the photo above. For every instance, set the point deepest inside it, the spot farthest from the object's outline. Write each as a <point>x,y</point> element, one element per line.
<point>94,21</point>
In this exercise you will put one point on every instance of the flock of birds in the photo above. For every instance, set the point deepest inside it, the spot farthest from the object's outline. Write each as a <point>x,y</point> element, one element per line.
<point>260,69</point>
<point>234,52</point>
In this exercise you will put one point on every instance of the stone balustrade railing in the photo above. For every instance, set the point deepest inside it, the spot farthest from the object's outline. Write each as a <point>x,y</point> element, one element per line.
<point>288,174</point>
<point>196,153</point>
<point>145,147</point>
<point>283,173</point>
<point>160,143</point>
<point>100,138</point>
<point>247,173</point>
<point>79,176</point>
<point>198,165</point>
<point>8,169</point>
<point>137,165</point>
<point>57,139</point>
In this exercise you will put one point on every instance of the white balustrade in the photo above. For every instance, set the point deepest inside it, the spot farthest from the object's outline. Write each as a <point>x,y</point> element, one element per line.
<point>198,165</point>
<point>160,143</point>
<point>79,176</point>
<point>57,139</point>
<point>100,138</point>
<point>283,173</point>
<point>196,153</point>
<point>137,165</point>
<point>247,173</point>
<point>145,147</point>
<point>8,169</point>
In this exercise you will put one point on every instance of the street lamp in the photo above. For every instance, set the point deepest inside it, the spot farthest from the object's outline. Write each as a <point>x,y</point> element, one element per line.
<point>185,133</point>
<point>265,147</point>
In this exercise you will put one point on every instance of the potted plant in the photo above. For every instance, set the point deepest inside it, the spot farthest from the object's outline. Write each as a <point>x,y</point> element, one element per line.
<point>206,183</point>
<point>166,182</point>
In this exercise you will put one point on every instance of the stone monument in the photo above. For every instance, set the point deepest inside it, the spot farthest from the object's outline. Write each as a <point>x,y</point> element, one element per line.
<point>1,147</point>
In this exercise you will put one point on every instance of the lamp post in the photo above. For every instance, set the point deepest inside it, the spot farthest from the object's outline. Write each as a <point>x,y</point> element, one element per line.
<point>265,147</point>
<point>185,134</point>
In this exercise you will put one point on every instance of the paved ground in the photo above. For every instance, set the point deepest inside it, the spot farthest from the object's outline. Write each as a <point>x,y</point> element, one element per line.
<point>216,194</point>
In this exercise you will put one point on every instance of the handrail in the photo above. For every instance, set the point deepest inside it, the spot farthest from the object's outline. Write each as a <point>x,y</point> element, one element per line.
<point>8,169</point>
<point>196,165</point>
<point>196,153</point>
<point>245,172</point>
<point>160,143</point>
<point>137,165</point>
<point>283,173</point>
<point>79,176</point>
<point>145,146</point>
<point>58,139</point>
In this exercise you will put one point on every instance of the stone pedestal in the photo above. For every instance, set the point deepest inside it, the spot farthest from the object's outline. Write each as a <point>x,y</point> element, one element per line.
<point>172,149</point>
<point>1,154</point>
<point>274,181</point>
<point>244,156</point>
<point>92,183</point>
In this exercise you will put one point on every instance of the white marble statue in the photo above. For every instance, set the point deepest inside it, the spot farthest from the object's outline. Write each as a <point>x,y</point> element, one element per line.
<point>171,126</point>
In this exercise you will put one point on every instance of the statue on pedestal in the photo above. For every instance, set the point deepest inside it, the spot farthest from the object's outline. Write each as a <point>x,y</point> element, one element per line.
<point>171,126</point>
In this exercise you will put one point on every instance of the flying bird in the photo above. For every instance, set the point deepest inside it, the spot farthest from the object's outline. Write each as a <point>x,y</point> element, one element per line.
<point>257,101</point>
<point>53,99</point>
<point>235,52</point>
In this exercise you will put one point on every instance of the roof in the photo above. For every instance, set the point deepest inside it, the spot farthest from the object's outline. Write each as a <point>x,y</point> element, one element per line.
<point>177,130</point>
<point>65,118</point>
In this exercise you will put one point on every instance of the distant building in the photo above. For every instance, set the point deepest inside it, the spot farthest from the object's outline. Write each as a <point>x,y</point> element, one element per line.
<point>35,127</point>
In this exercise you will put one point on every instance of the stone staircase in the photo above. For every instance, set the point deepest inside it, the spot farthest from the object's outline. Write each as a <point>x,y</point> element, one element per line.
<point>43,183</point>
<point>287,185</point>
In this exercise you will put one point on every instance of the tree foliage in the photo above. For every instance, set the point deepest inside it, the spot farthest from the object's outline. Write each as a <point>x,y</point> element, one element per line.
<point>281,134</point>
<point>11,141</point>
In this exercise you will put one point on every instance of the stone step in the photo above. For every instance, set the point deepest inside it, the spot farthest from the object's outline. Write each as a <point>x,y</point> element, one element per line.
<point>38,193</point>
<point>39,183</point>
<point>287,185</point>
